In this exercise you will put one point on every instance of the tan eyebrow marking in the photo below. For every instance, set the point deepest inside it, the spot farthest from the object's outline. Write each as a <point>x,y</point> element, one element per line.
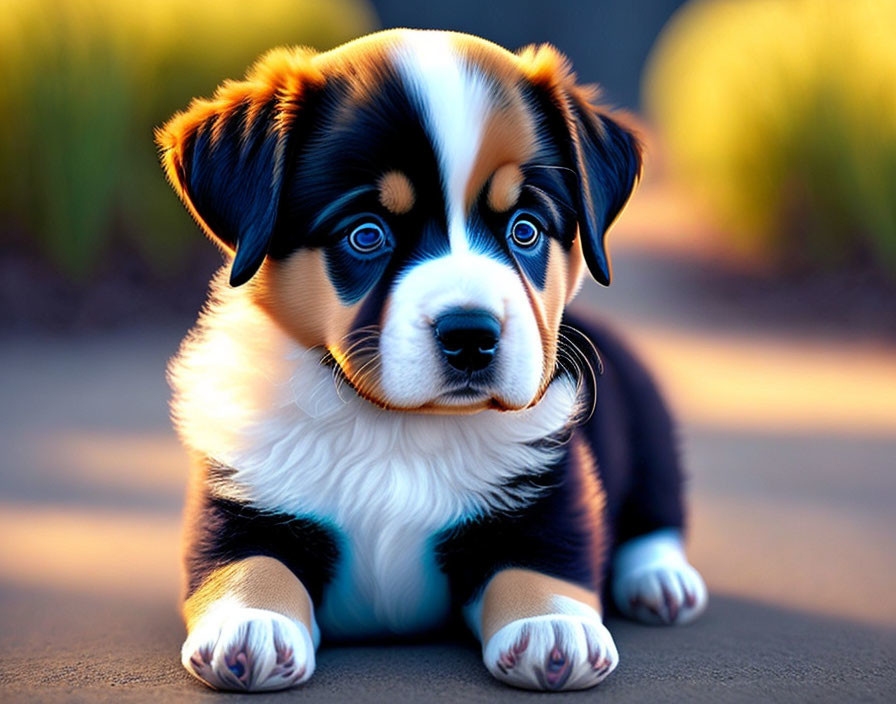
<point>396,192</point>
<point>504,188</point>
<point>508,137</point>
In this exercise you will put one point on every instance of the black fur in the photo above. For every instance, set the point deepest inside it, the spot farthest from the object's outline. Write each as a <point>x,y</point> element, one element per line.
<point>609,161</point>
<point>223,531</point>
<point>633,438</point>
<point>233,176</point>
<point>553,535</point>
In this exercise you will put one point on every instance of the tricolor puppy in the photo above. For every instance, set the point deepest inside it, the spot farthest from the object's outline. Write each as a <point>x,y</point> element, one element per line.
<point>389,414</point>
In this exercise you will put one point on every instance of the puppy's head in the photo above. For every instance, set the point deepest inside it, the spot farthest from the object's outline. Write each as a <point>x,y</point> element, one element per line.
<point>419,204</point>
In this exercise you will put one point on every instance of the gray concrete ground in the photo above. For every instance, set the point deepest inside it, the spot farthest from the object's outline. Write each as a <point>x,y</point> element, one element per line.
<point>792,455</point>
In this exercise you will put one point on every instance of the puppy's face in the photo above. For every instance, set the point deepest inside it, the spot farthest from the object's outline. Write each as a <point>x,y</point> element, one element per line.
<point>419,204</point>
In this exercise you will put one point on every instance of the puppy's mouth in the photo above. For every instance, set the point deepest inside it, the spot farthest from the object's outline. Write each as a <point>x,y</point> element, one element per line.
<point>460,397</point>
<point>468,392</point>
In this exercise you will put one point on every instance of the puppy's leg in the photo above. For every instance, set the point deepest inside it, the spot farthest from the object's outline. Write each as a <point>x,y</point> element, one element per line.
<point>633,436</point>
<point>540,632</point>
<point>250,628</point>
<point>653,582</point>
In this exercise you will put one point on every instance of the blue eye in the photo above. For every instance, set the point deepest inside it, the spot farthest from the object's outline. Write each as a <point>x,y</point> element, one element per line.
<point>367,237</point>
<point>525,231</point>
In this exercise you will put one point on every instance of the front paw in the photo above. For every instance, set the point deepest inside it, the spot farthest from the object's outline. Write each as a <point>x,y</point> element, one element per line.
<point>661,594</point>
<point>653,582</point>
<point>553,652</point>
<point>247,649</point>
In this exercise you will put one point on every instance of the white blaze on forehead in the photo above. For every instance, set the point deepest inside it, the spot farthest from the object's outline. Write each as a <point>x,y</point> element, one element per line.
<point>455,101</point>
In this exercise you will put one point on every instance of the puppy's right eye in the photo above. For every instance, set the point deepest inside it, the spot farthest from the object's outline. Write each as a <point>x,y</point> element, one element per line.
<point>525,230</point>
<point>367,237</point>
<point>524,233</point>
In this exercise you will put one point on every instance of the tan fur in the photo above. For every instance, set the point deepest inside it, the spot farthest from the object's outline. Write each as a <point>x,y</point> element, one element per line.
<point>592,498</point>
<point>545,66</point>
<point>515,593</point>
<point>504,188</point>
<point>362,64</point>
<point>256,582</point>
<point>299,296</point>
<point>547,306</point>
<point>575,269</point>
<point>503,65</point>
<point>396,192</point>
<point>553,301</point>
<point>508,136</point>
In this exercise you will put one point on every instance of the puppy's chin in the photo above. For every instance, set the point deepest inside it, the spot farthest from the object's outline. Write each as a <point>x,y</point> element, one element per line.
<point>454,408</point>
<point>451,404</point>
<point>446,403</point>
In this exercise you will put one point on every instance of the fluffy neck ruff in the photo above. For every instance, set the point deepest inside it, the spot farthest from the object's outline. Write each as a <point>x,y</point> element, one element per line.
<point>250,398</point>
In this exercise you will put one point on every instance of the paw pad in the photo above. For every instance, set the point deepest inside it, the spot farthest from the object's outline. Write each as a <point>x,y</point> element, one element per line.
<point>661,594</point>
<point>653,582</point>
<point>508,659</point>
<point>554,652</point>
<point>246,649</point>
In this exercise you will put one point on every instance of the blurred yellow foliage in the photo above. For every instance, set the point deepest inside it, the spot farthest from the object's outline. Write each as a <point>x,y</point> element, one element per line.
<point>781,114</point>
<point>83,83</point>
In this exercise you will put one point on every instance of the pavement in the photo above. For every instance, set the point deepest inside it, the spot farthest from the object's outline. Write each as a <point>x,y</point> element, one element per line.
<point>789,434</point>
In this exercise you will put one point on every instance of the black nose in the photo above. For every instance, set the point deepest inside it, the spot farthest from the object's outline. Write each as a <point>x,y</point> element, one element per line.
<point>468,338</point>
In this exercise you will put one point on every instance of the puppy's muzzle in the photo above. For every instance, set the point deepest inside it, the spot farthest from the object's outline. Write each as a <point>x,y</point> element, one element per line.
<point>467,339</point>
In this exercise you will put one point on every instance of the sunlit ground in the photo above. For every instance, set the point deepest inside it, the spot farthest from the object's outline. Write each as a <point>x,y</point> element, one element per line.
<point>790,438</point>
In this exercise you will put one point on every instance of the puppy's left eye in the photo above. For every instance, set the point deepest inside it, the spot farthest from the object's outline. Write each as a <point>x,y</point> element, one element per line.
<point>367,237</point>
<point>525,230</point>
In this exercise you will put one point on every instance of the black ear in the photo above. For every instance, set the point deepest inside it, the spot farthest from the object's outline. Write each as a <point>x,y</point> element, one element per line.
<point>232,174</point>
<point>225,156</point>
<point>608,160</point>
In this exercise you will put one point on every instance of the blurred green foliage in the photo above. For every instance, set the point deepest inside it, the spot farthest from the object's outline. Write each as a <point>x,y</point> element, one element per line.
<point>782,116</point>
<point>84,82</point>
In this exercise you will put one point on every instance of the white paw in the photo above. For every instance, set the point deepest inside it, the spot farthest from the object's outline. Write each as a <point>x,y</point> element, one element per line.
<point>653,582</point>
<point>247,649</point>
<point>552,652</point>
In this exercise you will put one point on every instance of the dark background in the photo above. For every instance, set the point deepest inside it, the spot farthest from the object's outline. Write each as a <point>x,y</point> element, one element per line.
<point>607,40</point>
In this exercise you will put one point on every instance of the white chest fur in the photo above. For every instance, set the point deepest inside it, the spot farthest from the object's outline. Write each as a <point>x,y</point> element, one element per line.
<point>249,397</point>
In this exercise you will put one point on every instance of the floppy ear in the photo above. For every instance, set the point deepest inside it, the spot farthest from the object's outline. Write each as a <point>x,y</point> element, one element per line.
<point>225,156</point>
<point>606,156</point>
<point>608,160</point>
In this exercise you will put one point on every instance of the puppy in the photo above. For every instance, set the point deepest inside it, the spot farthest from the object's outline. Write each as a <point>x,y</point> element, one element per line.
<point>388,413</point>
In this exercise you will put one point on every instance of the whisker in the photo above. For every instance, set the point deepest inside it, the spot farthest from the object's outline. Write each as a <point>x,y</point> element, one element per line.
<point>582,336</point>
<point>366,373</point>
<point>581,361</point>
